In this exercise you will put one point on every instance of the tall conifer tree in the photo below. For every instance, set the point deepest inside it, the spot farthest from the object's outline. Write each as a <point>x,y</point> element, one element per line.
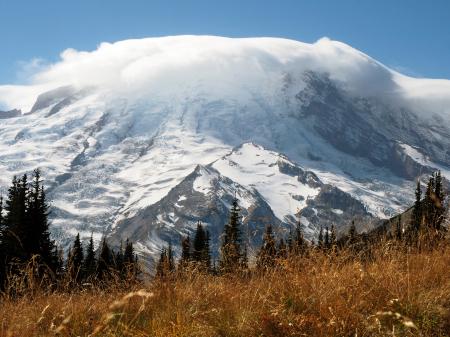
<point>170,259</point>
<point>90,262</point>
<point>352,235</point>
<point>105,261</point>
<point>231,250</point>
<point>161,266</point>
<point>299,243</point>
<point>130,261</point>
<point>14,235</point>
<point>199,243</point>
<point>75,260</point>
<point>438,202</point>
<point>429,203</point>
<point>185,252</point>
<point>417,209</point>
<point>38,233</point>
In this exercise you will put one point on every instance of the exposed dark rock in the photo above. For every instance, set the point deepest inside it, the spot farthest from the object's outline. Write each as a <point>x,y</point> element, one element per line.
<point>52,97</point>
<point>10,114</point>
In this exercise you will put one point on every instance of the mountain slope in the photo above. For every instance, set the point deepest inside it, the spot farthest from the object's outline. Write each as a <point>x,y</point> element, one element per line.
<point>118,130</point>
<point>270,190</point>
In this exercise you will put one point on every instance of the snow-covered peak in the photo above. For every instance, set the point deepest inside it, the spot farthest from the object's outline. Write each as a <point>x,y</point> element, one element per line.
<point>281,183</point>
<point>178,66</point>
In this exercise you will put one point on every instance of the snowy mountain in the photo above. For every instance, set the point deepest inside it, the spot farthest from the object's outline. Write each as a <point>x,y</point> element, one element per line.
<point>142,138</point>
<point>270,188</point>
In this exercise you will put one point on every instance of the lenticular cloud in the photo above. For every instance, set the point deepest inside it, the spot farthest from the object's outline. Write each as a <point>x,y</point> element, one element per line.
<point>173,66</point>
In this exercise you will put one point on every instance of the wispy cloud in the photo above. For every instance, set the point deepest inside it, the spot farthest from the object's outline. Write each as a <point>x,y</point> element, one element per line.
<point>28,69</point>
<point>406,71</point>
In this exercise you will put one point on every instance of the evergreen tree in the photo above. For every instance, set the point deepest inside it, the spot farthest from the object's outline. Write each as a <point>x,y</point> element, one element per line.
<point>27,227</point>
<point>15,221</point>
<point>47,249</point>
<point>352,235</point>
<point>438,189</point>
<point>75,260</point>
<point>439,196</point>
<point>320,239</point>
<point>130,261</point>
<point>429,203</point>
<point>38,231</point>
<point>201,252</point>
<point>199,243</point>
<point>231,254</point>
<point>90,262</point>
<point>268,252</point>
<point>398,229</point>
<point>417,216</point>
<point>129,255</point>
<point>166,265</point>
<point>327,239</point>
<point>170,259</point>
<point>161,266</point>
<point>417,209</point>
<point>105,261</point>
<point>299,243</point>
<point>185,252</point>
<point>333,238</point>
<point>282,250</point>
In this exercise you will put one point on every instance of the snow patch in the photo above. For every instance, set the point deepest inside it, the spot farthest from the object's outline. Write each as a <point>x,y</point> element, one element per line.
<point>252,166</point>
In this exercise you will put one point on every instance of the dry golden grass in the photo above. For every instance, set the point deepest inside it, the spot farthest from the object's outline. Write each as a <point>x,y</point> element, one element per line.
<point>397,294</point>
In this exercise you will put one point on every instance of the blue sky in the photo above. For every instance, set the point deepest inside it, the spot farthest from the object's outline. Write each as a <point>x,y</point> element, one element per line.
<point>411,36</point>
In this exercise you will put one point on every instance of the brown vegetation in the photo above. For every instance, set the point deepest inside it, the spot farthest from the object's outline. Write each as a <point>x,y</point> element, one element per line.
<point>399,292</point>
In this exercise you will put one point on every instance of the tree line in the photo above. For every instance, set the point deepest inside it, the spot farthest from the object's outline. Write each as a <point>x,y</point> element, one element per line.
<point>425,225</point>
<point>25,238</point>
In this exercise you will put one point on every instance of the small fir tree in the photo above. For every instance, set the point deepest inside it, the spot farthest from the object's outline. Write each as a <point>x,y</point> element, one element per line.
<point>352,235</point>
<point>282,250</point>
<point>75,261</point>
<point>333,238</point>
<point>320,239</point>
<point>268,252</point>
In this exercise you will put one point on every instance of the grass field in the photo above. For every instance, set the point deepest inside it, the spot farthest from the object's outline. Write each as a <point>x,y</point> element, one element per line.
<point>399,293</point>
